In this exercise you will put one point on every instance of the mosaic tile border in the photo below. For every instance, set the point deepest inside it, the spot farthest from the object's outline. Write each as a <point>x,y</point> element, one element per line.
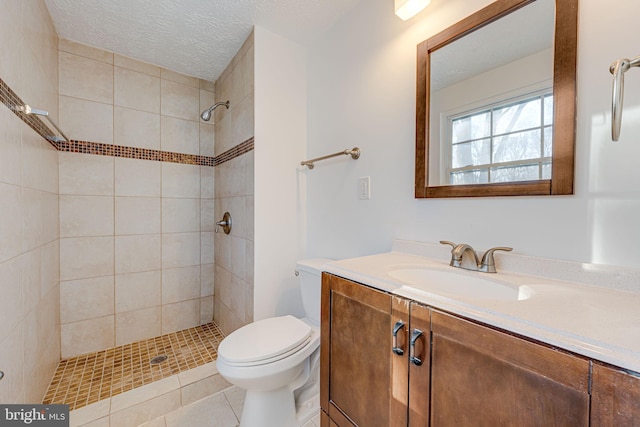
<point>238,150</point>
<point>10,99</point>
<point>82,380</point>
<point>102,149</point>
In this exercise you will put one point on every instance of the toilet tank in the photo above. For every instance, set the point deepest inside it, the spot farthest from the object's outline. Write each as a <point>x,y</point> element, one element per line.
<point>310,280</point>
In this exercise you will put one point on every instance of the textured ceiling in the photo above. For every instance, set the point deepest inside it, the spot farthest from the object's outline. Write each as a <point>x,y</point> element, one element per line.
<point>194,37</point>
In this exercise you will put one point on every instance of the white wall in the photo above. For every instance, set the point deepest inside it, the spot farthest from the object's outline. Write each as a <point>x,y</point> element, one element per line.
<point>361,92</point>
<point>280,145</point>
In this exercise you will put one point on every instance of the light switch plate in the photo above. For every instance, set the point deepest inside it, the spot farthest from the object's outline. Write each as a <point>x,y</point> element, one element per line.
<point>364,187</point>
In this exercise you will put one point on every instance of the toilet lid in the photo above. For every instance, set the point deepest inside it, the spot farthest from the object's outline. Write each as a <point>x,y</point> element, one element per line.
<point>264,339</point>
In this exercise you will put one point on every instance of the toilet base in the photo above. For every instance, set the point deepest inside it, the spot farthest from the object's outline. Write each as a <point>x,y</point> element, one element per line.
<point>308,409</point>
<point>275,408</point>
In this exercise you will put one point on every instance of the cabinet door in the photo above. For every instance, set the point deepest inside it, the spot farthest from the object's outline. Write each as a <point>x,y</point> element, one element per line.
<point>355,354</point>
<point>399,354</point>
<point>482,377</point>
<point>419,365</point>
<point>324,419</point>
<point>615,398</point>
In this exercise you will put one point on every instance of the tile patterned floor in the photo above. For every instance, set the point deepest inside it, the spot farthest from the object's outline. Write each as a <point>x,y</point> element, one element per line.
<point>86,379</point>
<point>218,410</point>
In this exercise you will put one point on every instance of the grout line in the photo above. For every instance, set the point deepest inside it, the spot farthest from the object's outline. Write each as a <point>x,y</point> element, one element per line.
<point>115,244</point>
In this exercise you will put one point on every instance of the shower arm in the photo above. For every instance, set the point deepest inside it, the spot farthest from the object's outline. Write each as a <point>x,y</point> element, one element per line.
<point>618,68</point>
<point>218,104</point>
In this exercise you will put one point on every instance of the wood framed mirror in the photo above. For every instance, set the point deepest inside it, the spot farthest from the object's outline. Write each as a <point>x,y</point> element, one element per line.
<point>521,94</point>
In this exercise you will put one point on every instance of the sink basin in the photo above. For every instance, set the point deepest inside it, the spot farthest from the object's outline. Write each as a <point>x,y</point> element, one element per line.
<point>451,283</point>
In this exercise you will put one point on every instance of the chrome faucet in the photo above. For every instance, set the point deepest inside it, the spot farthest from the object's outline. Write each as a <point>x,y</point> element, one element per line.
<point>459,260</point>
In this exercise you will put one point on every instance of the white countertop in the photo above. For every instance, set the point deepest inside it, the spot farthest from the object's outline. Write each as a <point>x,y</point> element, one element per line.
<point>598,322</point>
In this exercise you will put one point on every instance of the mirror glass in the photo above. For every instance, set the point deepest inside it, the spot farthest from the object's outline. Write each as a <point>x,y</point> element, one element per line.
<point>489,98</point>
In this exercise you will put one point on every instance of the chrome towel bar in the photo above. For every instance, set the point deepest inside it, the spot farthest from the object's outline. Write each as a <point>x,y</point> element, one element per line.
<point>618,68</point>
<point>26,109</point>
<point>354,153</point>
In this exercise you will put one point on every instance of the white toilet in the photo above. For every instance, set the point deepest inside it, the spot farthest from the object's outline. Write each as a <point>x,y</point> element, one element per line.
<point>277,360</point>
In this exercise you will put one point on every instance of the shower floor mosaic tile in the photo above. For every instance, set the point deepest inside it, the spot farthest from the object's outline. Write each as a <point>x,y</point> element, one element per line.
<point>86,379</point>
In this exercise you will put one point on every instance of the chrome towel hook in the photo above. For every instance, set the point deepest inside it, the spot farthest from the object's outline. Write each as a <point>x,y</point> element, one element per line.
<point>618,68</point>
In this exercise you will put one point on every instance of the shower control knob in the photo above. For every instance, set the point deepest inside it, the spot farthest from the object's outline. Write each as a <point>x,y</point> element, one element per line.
<point>225,223</point>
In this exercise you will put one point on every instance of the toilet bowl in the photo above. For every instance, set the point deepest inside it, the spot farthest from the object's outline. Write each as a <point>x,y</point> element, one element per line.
<point>276,360</point>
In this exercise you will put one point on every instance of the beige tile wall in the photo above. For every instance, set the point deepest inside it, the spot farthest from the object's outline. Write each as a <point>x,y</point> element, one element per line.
<point>29,265</point>
<point>233,299</point>
<point>136,236</point>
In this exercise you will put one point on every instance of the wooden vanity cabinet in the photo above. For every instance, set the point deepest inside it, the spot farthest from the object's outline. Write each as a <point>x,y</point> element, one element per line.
<point>467,374</point>
<point>364,382</point>
<point>356,370</point>
<point>615,397</point>
<point>483,377</point>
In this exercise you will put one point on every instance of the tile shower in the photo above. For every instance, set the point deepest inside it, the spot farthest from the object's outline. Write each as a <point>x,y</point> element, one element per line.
<point>234,193</point>
<point>134,243</point>
<point>86,379</point>
<point>110,240</point>
<point>29,253</point>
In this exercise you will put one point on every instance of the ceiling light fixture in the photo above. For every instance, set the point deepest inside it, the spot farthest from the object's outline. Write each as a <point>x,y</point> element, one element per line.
<point>406,9</point>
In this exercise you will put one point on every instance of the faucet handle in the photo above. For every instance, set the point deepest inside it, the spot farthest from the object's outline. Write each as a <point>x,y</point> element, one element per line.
<point>488,263</point>
<point>446,242</point>
<point>453,247</point>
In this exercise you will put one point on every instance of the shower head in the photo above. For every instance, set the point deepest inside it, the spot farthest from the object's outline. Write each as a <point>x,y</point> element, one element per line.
<point>206,114</point>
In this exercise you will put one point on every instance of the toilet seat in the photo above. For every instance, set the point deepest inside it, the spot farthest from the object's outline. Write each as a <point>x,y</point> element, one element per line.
<point>265,341</point>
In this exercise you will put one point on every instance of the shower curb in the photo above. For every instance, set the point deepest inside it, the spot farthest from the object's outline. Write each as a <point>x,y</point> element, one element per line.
<point>151,401</point>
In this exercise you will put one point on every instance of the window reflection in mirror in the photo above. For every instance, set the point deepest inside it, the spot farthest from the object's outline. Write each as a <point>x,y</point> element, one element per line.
<point>502,142</point>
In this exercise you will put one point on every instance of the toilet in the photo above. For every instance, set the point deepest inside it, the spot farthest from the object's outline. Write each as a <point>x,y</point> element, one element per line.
<point>277,360</point>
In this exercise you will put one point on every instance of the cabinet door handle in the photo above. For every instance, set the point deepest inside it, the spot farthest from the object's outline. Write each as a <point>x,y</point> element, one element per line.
<point>417,333</point>
<point>396,328</point>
